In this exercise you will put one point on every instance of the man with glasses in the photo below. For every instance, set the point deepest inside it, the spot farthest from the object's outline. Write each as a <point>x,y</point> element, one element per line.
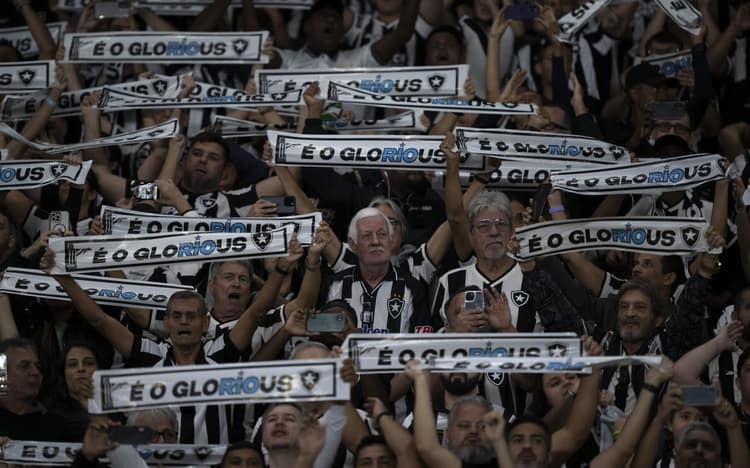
<point>490,229</point>
<point>387,298</point>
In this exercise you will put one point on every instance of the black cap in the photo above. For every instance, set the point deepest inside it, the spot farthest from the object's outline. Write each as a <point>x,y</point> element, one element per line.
<point>644,73</point>
<point>323,5</point>
<point>671,146</point>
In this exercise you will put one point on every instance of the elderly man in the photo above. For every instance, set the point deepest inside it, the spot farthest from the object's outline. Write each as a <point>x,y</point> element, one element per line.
<point>387,298</point>
<point>490,229</point>
<point>22,417</point>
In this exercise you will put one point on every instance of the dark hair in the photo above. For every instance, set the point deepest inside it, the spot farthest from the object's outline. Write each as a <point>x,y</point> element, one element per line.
<point>241,445</point>
<point>529,419</point>
<point>188,295</point>
<point>79,343</point>
<point>212,137</point>
<point>7,43</point>
<point>663,36</point>
<point>447,28</point>
<point>16,343</point>
<point>657,303</point>
<point>367,441</point>
<point>673,264</point>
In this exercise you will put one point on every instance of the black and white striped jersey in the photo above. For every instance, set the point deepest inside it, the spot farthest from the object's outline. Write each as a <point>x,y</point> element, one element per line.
<point>511,283</point>
<point>367,29</point>
<point>397,305</point>
<point>199,424</point>
<point>417,261</point>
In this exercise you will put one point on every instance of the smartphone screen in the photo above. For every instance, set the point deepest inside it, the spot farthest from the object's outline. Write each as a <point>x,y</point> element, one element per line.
<point>326,322</point>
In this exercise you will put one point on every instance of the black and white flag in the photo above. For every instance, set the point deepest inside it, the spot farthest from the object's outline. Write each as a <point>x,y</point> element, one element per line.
<point>650,234</point>
<point>26,77</point>
<point>22,39</point>
<point>165,47</point>
<point>537,145</point>
<point>572,22</point>
<point>246,382</point>
<point>681,173</point>
<point>27,174</point>
<point>410,120</point>
<point>36,453</point>
<point>166,129</point>
<point>525,174</point>
<point>119,221</point>
<point>343,93</point>
<point>103,290</point>
<point>113,99</point>
<point>683,13</point>
<point>374,354</point>
<point>416,153</point>
<point>69,102</point>
<point>400,81</point>
<point>101,253</point>
<point>669,64</point>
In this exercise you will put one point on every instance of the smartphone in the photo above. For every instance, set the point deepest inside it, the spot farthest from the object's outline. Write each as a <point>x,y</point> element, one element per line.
<point>474,300</point>
<point>3,374</point>
<point>521,12</point>
<point>131,435</point>
<point>284,205</point>
<point>112,9</point>
<point>59,222</point>
<point>326,322</point>
<point>540,201</point>
<point>141,190</point>
<point>671,110</point>
<point>699,395</point>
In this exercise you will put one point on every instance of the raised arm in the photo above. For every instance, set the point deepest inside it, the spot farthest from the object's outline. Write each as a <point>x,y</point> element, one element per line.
<point>39,31</point>
<point>690,366</point>
<point>647,452</point>
<point>621,451</point>
<point>590,275</point>
<point>425,432</point>
<point>116,333</point>
<point>8,327</point>
<point>454,204</point>
<point>210,16</point>
<point>384,48</point>
<point>726,415</point>
<point>492,68</point>
<point>742,221</point>
<point>575,431</point>
<point>398,439</point>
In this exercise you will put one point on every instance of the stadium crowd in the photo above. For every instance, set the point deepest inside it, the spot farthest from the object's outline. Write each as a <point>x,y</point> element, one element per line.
<point>395,251</point>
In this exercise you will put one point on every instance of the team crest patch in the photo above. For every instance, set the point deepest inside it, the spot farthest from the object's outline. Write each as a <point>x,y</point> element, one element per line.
<point>26,75</point>
<point>203,452</point>
<point>239,46</point>
<point>208,202</point>
<point>395,306</point>
<point>436,81</point>
<point>58,169</point>
<point>690,235</point>
<point>160,86</point>
<point>557,350</point>
<point>261,239</point>
<point>310,379</point>
<point>496,378</point>
<point>519,298</point>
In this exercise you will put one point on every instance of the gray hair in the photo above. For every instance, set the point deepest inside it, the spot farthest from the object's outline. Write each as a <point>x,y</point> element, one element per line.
<point>377,201</point>
<point>303,345</point>
<point>135,416</point>
<point>368,212</point>
<point>489,199</point>
<point>215,266</point>
<point>475,400</point>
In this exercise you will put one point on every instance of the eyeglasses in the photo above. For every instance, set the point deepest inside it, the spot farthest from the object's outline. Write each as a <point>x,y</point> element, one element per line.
<point>165,435</point>
<point>485,225</point>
